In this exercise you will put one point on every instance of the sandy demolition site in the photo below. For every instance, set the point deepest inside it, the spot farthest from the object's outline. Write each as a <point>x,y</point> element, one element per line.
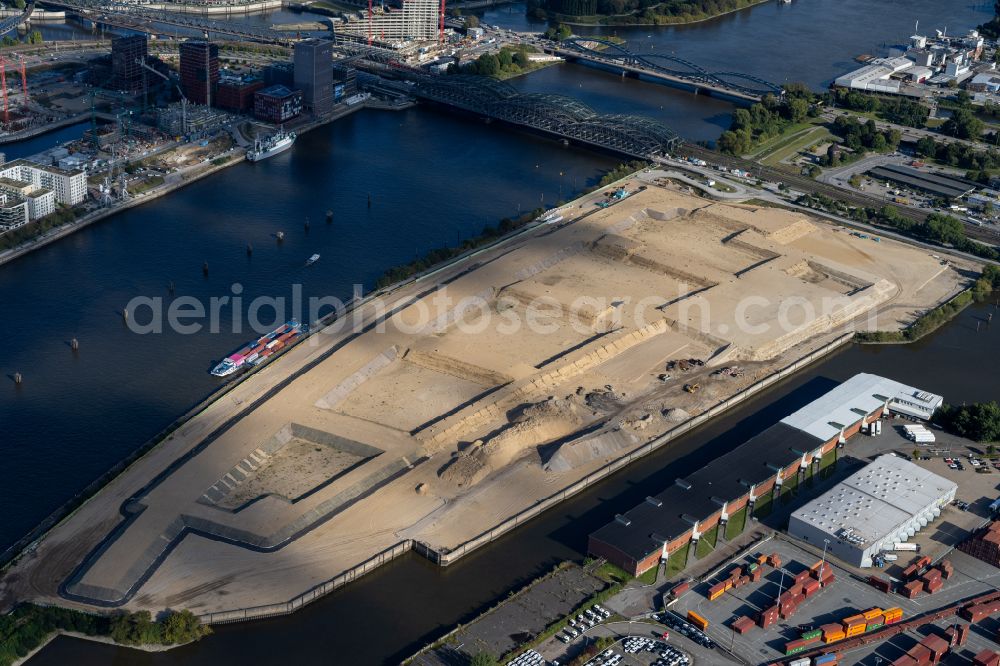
<point>456,414</point>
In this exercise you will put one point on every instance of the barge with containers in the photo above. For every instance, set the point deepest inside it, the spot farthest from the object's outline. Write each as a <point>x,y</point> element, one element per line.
<point>259,351</point>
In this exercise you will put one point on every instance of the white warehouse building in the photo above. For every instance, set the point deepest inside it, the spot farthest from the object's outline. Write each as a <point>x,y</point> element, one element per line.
<point>883,504</point>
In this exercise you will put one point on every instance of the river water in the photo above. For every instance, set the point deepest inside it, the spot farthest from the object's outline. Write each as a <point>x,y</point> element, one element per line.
<point>433,177</point>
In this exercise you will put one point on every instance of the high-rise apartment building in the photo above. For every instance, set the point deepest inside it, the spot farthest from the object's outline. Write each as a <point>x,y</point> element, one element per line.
<point>418,20</point>
<point>199,71</point>
<point>314,74</point>
<point>126,54</point>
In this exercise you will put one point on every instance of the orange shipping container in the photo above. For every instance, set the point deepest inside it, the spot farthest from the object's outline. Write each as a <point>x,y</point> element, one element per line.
<point>833,637</point>
<point>874,612</point>
<point>855,629</point>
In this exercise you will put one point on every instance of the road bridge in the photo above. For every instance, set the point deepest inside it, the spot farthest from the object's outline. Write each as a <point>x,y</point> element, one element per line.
<point>143,19</point>
<point>668,68</point>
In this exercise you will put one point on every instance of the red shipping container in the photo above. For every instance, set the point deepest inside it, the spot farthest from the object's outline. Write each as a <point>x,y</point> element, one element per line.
<point>765,621</point>
<point>879,583</point>
<point>744,580</point>
<point>963,634</point>
<point>910,571</point>
<point>986,658</point>
<point>911,589</point>
<point>951,633</point>
<point>947,573</point>
<point>810,587</point>
<point>905,660</point>
<point>932,586</point>
<point>757,574</point>
<point>679,589</point>
<point>923,562</point>
<point>802,575</point>
<point>800,643</point>
<point>937,645</point>
<point>742,625</point>
<point>920,653</point>
<point>735,572</point>
<point>932,574</point>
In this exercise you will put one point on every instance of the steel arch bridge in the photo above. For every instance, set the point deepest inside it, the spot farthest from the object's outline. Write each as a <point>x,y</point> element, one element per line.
<point>562,116</point>
<point>673,66</point>
<point>11,23</point>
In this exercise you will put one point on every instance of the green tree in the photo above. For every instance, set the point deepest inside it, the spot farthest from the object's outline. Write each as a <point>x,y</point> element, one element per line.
<point>483,659</point>
<point>564,32</point>
<point>855,180</point>
<point>35,37</point>
<point>488,64</point>
<point>506,58</point>
<point>20,4</point>
<point>521,58</point>
<point>798,109</point>
<point>471,21</point>
<point>963,124</point>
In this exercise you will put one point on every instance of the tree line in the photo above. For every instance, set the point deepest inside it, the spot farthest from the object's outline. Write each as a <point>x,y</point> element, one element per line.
<point>638,11</point>
<point>28,625</point>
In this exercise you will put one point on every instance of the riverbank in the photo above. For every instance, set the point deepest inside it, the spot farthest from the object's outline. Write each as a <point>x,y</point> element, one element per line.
<point>45,129</point>
<point>620,22</point>
<point>234,157</point>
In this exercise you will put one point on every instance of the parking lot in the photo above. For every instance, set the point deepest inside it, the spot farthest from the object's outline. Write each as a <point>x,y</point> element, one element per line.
<point>846,596</point>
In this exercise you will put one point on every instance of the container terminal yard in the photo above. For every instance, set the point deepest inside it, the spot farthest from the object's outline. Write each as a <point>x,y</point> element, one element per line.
<point>442,427</point>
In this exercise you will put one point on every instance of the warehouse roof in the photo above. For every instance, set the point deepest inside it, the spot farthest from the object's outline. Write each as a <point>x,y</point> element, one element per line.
<point>875,501</point>
<point>847,404</point>
<point>672,512</point>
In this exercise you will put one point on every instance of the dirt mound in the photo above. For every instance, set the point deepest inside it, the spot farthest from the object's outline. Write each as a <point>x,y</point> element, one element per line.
<point>675,415</point>
<point>531,425</point>
<point>791,233</point>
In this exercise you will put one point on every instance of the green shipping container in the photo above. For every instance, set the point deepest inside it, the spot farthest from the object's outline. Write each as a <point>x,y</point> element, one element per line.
<point>752,567</point>
<point>814,633</point>
<point>873,627</point>
<point>791,651</point>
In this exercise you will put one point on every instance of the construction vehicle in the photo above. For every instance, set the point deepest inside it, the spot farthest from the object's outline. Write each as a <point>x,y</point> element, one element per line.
<point>692,388</point>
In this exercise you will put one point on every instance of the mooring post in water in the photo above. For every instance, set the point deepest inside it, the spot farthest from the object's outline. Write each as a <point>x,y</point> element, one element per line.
<point>125,314</point>
<point>170,287</point>
<point>249,249</point>
<point>74,344</point>
<point>369,199</point>
<point>307,224</point>
<point>204,268</point>
<point>329,216</point>
<point>17,378</point>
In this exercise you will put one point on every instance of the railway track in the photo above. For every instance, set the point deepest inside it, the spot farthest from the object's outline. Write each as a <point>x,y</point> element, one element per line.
<point>805,184</point>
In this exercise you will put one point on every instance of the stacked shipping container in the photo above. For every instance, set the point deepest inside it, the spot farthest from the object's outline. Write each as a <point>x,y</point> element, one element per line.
<point>984,544</point>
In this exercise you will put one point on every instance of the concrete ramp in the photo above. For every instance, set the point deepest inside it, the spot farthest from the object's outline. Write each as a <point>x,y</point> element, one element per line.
<point>340,392</point>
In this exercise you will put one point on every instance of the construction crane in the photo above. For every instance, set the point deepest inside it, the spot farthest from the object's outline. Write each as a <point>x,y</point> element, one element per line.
<point>184,100</point>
